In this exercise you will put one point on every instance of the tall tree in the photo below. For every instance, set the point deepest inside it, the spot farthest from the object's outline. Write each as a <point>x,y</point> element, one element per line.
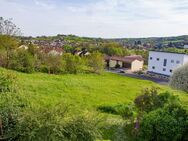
<point>7,27</point>
<point>7,42</point>
<point>96,62</point>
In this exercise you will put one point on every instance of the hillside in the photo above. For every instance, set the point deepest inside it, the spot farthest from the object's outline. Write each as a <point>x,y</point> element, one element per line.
<point>86,92</point>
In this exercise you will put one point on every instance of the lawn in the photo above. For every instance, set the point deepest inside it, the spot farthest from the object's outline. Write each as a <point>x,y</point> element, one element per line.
<point>86,91</point>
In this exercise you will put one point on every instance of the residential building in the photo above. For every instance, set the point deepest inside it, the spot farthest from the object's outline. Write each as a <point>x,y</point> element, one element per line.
<point>23,47</point>
<point>52,50</point>
<point>133,63</point>
<point>165,62</point>
<point>185,46</point>
<point>81,53</point>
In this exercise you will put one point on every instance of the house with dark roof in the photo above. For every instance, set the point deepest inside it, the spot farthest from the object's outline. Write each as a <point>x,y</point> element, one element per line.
<point>133,63</point>
<point>81,53</point>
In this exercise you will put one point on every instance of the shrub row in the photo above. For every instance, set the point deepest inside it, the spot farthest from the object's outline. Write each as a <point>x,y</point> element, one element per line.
<point>31,60</point>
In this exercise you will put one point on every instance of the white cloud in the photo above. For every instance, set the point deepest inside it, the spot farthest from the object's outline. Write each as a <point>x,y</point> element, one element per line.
<point>104,18</point>
<point>47,4</point>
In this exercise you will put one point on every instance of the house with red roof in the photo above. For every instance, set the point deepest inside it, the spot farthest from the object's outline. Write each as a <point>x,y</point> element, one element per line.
<point>133,63</point>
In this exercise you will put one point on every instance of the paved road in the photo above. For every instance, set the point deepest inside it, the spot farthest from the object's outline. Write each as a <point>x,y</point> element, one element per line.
<point>156,80</point>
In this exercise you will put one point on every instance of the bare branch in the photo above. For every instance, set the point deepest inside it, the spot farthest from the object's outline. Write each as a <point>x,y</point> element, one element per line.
<point>7,27</point>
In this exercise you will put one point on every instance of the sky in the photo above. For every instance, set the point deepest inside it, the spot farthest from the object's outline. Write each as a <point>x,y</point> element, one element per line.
<point>98,18</point>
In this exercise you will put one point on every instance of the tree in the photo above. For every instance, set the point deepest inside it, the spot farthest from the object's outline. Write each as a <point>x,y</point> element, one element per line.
<point>112,49</point>
<point>7,27</point>
<point>68,48</point>
<point>7,30</point>
<point>8,44</point>
<point>32,49</point>
<point>143,53</point>
<point>147,101</point>
<point>96,62</point>
<point>179,79</point>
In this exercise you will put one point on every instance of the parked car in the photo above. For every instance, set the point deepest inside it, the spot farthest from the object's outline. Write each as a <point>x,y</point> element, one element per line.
<point>121,71</point>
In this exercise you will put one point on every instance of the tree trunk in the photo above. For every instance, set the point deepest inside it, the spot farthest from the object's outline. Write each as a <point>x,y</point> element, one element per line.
<point>8,57</point>
<point>1,127</point>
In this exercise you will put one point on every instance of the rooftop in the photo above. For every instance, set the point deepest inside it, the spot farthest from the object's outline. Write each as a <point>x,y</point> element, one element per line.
<point>127,59</point>
<point>48,49</point>
<point>168,52</point>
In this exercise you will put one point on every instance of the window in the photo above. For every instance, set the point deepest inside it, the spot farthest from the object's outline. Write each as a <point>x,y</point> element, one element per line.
<point>172,61</point>
<point>165,62</point>
<point>170,70</point>
<point>177,62</point>
<point>164,69</point>
<point>157,59</point>
<point>153,67</point>
<point>151,58</point>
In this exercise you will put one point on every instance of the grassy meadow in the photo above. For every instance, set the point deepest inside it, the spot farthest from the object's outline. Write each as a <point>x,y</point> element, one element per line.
<point>85,91</point>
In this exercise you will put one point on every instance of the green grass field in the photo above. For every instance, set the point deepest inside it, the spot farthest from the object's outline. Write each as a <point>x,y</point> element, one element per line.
<point>86,91</point>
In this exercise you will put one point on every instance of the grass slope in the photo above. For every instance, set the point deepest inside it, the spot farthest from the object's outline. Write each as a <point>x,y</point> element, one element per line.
<point>85,91</point>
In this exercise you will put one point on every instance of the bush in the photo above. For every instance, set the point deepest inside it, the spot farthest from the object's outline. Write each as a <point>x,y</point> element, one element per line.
<point>82,128</point>
<point>126,111</point>
<point>7,82</point>
<point>179,79</point>
<point>11,106</point>
<point>166,124</point>
<point>150,100</point>
<point>56,124</point>
<point>96,62</point>
<point>108,109</point>
<point>3,58</point>
<point>23,121</point>
<point>52,64</point>
<point>72,64</point>
<point>22,61</point>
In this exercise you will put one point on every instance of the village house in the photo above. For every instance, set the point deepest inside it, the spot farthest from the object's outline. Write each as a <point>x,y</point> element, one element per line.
<point>81,53</point>
<point>133,63</point>
<point>52,50</point>
<point>185,46</point>
<point>165,62</point>
<point>23,47</point>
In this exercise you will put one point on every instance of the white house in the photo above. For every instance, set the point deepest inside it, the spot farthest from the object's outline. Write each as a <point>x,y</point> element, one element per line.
<point>185,46</point>
<point>165,62</point>
<point>23,47</point>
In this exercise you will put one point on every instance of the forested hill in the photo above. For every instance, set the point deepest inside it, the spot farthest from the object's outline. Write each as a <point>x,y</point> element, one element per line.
<point>158,42</point>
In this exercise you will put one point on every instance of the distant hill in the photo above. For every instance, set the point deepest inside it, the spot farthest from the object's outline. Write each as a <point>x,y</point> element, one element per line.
<point>150,42</point>
<point>158,42</point>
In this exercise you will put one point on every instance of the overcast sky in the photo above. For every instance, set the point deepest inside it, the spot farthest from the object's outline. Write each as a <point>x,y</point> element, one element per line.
<point>98,18</point>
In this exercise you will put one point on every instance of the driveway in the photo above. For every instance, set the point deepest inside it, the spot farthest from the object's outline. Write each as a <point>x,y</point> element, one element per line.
<point>143,77</point>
